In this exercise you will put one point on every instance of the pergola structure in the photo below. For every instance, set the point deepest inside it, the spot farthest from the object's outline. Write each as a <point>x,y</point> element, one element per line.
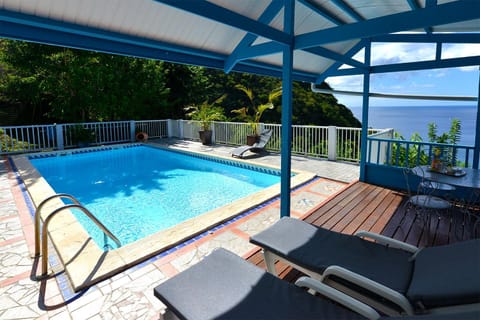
<point>304,40</point>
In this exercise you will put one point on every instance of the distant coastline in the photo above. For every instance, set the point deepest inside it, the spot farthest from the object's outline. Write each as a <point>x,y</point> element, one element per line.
<point>407,120</point>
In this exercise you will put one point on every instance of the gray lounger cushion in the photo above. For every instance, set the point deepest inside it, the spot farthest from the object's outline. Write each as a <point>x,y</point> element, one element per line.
<point>466,315</point>
<point>316,249</point>
<point>224,286</point>
<point>447,275</point>
<point>238,152</point>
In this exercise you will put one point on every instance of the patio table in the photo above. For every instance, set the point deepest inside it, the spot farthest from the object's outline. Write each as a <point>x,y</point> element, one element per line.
<point>470,181</point>
<point>471,178</point>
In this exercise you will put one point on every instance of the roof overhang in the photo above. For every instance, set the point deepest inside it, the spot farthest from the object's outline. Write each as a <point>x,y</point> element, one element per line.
<point>246,36</point>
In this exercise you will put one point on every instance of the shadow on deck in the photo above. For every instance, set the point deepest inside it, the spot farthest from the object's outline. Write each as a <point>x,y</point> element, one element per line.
<point>363,206</point>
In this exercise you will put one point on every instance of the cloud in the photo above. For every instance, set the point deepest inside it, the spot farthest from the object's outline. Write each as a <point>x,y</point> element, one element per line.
<point>460,50</point>
<point>387,53</point>
<point>390,53</point>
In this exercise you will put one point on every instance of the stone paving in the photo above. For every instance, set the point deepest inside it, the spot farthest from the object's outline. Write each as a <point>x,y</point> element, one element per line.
<point>127,295</point>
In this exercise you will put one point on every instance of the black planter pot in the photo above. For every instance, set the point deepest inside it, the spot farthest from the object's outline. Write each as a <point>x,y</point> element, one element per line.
<point>206,137</point>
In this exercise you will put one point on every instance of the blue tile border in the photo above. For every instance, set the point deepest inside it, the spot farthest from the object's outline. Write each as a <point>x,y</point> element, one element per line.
<point>81,151</point>
<point>243,165</point>
<point>23,188</point>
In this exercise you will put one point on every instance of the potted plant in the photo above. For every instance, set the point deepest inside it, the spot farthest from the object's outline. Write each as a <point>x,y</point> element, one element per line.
<point>141,136</point>
<point>81,136</point>
<point>206,113</point>
<point>253,113</point>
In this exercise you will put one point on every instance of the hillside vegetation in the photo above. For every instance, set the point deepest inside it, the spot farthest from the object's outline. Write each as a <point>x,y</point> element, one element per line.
<point>46,84</point>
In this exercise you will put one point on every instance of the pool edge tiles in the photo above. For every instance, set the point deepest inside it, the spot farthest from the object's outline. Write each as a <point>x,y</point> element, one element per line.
<point>86,264</point>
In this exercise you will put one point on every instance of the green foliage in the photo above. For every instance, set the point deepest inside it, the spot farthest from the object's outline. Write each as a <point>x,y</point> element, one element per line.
<point>447,154</point>
<point>408,158</point>
<point>415,155</point>
<point>46,84</point>
<point>9,144</point>
<point>206,112</point>
<point>253,113</point>
<point>81,135</point>
<point>76,86</point>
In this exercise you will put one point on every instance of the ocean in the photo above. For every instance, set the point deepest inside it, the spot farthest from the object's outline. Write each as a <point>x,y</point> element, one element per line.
<point>409,120</point>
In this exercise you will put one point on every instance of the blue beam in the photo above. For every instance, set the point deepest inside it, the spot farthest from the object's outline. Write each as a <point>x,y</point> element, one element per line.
<point>476,151</point>
<point>437,15</point>
<point>25,27</point>
<point>221,15</point>
<point>329,54</point>
<point>414,66</point>
<point>426,38</point>
<point>322,11</point>
<point>334,67</point>
<point>414,5</point>
<point>287,92</point>
<point>365,107</point>
<point>270,12</point>
<point>29,28</point>
<point>348,10</point>
<point>259,50</point>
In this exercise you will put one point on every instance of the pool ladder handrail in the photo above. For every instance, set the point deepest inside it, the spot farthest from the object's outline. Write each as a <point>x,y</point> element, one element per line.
<point>76,205</point>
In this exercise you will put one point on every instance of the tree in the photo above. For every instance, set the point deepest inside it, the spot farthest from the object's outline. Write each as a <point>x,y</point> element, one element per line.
<point>51,84</point>
<point>75,86</point>
<point>253,113</point>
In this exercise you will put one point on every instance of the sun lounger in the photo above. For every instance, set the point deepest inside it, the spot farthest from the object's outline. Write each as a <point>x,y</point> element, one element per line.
<point>256,147</point>
<point>414,280</point>
<point>224,286</point>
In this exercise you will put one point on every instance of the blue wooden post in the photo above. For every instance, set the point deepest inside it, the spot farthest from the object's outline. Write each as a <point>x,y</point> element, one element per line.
<point>476,151</point>
<point>365,106</point>
<point>286,112</point>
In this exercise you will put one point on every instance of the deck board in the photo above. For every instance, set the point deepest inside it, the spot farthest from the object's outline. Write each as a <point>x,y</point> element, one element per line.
<point>363,206</point>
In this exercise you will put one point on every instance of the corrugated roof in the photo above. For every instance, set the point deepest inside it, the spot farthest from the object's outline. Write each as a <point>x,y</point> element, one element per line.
<point>242,35</point>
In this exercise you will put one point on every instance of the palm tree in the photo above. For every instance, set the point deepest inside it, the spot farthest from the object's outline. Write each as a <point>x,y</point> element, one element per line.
<point>253,113</point>
<point>206,113</point>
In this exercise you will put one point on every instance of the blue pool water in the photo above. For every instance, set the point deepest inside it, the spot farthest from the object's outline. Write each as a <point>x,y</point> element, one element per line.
<point>138,191</point>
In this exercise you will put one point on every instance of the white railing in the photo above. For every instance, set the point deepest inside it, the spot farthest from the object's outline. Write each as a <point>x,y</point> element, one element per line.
<point>378,150</point>
<point>334,143</point>
<point>154,128</point>
<point>27,138</point>
<point>103,132</point>
<point>21,139</point>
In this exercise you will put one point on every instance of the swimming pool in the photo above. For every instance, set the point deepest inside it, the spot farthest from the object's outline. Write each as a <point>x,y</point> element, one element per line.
<point>137,191</point>
<point>86,263</point>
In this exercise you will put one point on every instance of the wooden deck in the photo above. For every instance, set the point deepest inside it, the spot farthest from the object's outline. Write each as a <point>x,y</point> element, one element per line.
<point>363,206</point>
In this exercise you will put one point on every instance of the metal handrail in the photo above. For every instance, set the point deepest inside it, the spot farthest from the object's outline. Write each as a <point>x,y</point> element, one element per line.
<point>37,216</point>
<point>44,238</point>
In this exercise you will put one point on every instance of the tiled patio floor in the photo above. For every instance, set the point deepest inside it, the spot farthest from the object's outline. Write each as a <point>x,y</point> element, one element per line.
<point>128,295</point>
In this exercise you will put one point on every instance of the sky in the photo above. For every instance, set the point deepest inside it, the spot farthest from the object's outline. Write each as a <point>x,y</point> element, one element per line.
<point>449,82</point>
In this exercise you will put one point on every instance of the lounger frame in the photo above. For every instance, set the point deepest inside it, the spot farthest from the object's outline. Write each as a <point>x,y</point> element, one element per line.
<point>387,293</point>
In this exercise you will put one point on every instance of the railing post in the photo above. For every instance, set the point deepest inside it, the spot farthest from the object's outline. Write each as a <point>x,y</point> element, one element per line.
<point>332,143</point>
<point>212,127</point>
<point>170,128</point>
<point>132,130</point>
<point>59,136</point>
<point>180,129</point>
